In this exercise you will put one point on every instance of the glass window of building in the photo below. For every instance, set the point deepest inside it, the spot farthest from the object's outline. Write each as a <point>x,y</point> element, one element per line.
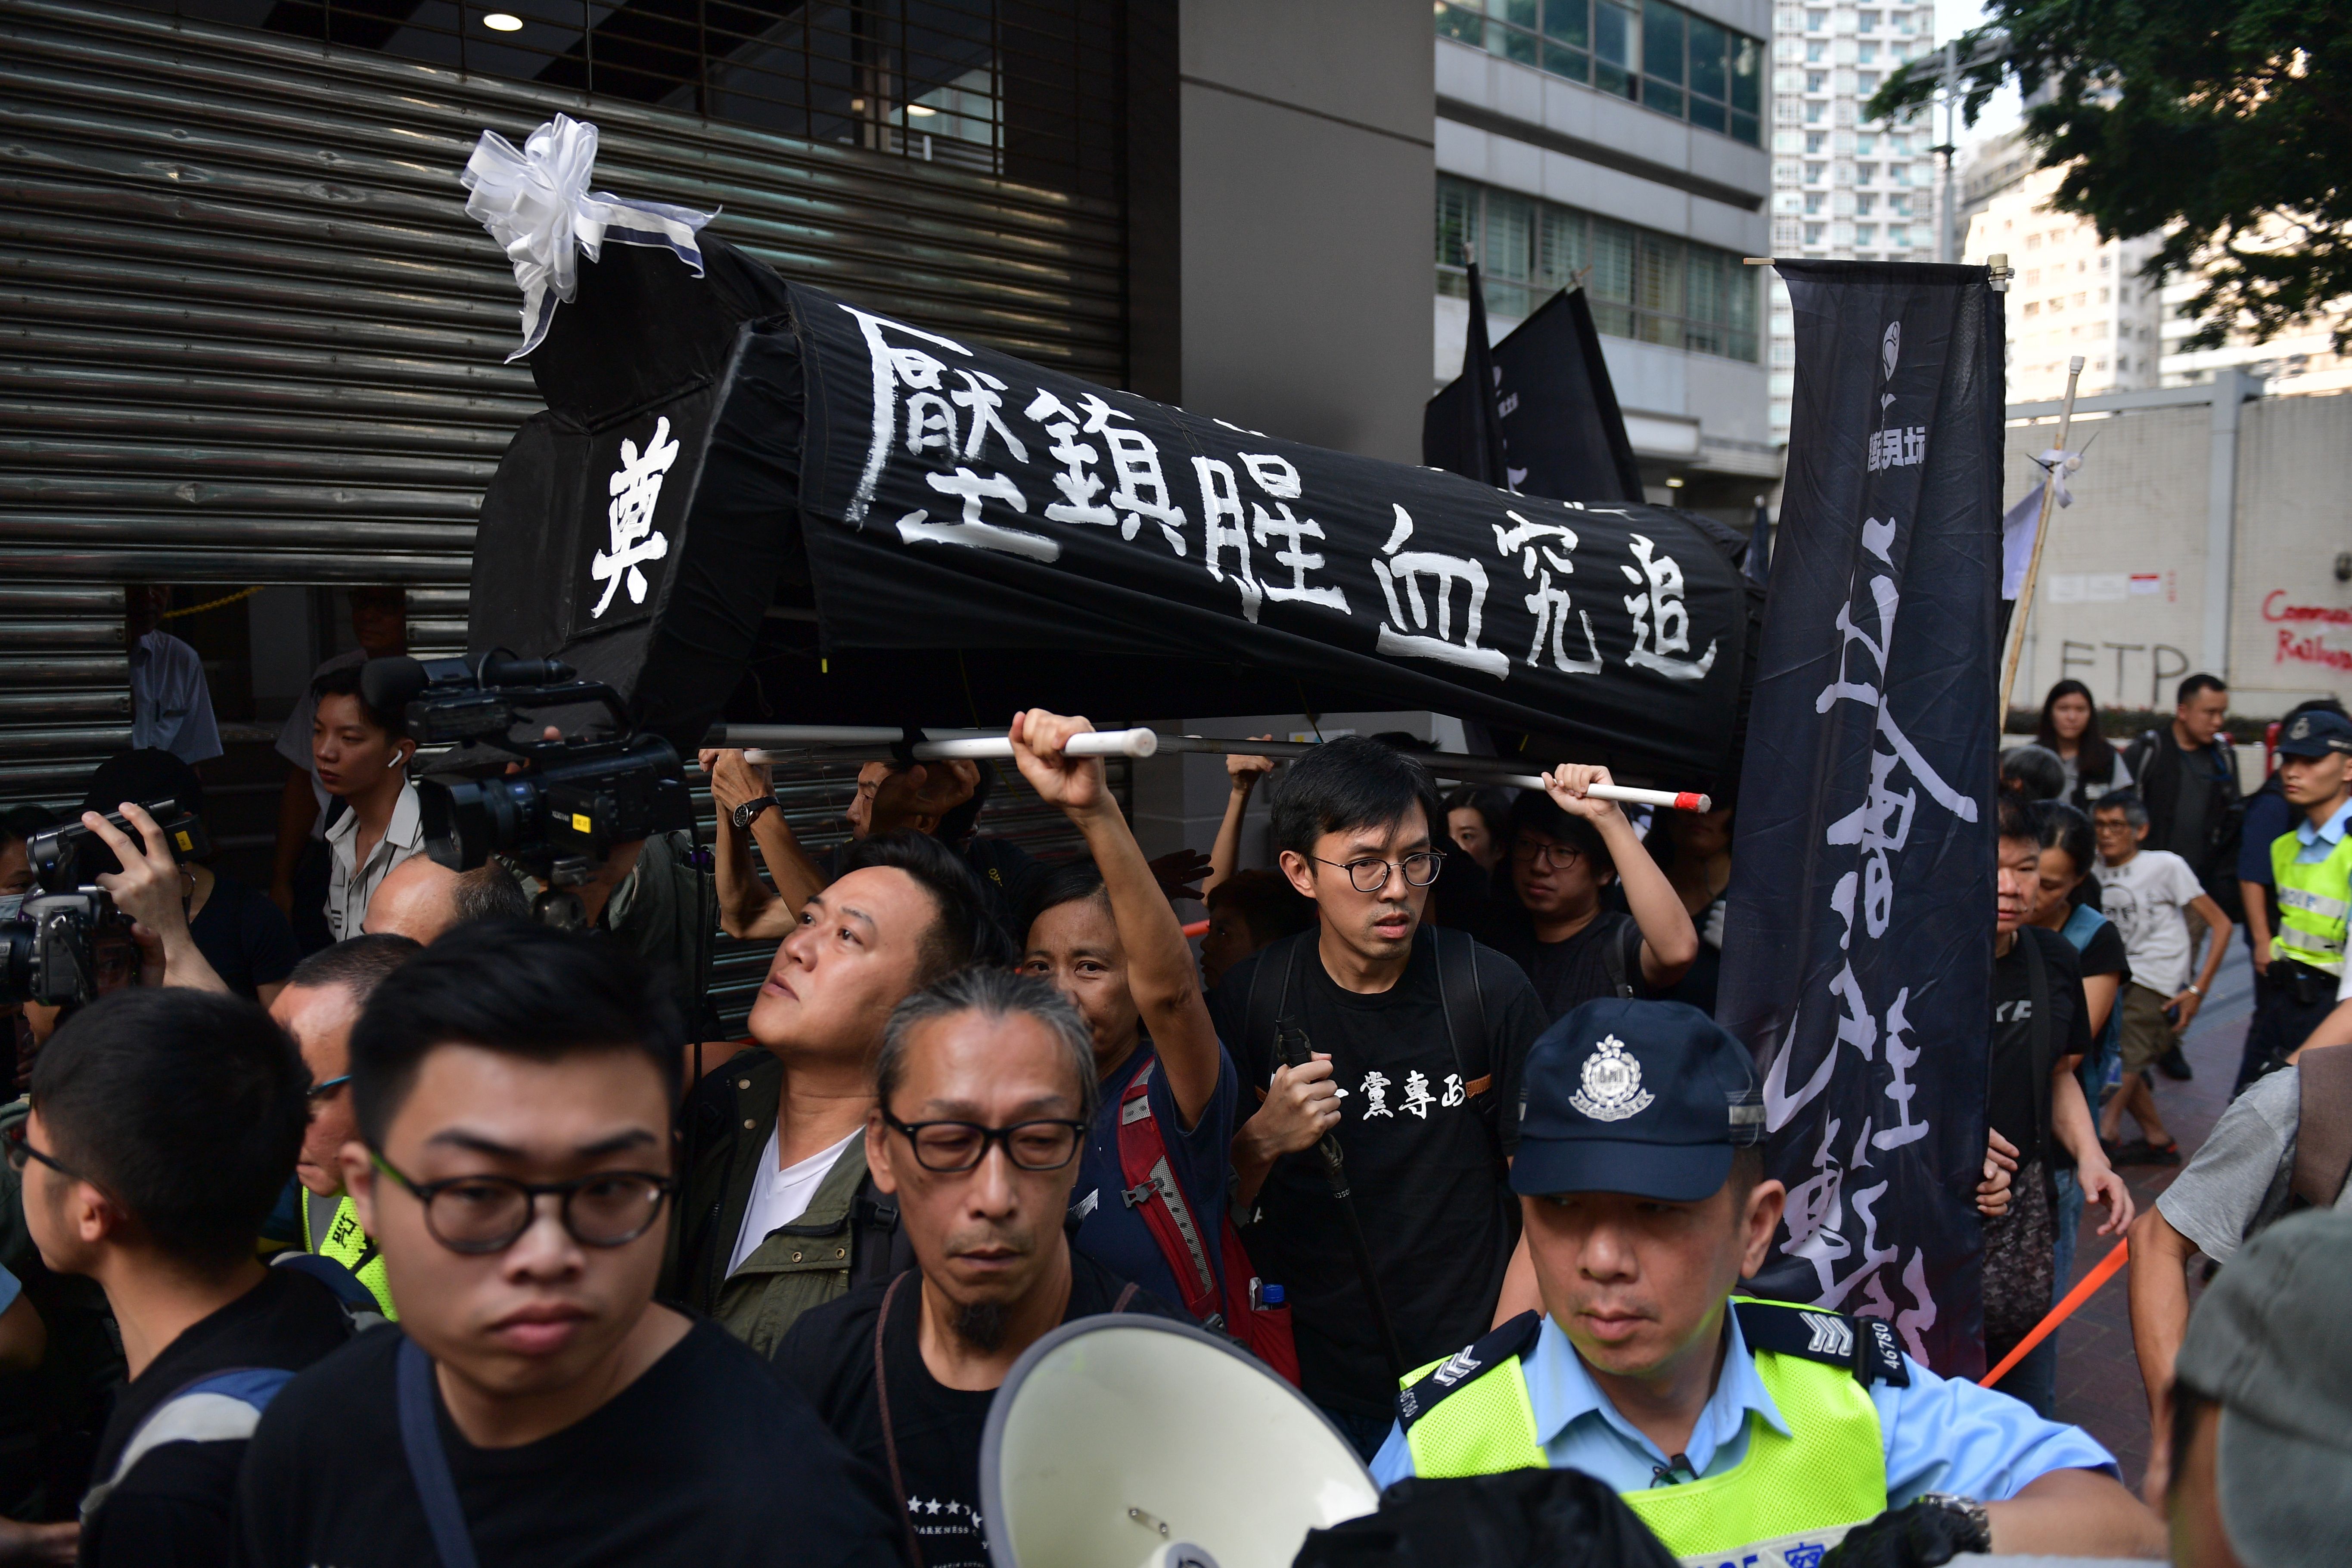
<point>1639,284</point>
<point>1658,55</point>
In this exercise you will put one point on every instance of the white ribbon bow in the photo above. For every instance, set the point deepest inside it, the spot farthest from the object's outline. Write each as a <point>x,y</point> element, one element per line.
<point>538,206</point>
<point>2058,465</point>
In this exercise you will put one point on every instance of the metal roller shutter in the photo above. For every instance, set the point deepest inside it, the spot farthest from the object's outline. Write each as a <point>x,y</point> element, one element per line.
<point>255,339</point>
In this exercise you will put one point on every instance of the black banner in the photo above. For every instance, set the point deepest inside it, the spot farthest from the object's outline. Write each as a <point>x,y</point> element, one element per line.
<point>1461,430</point>
<point>884,524</point>
<point>1563,433</point>
<point>1858,950</point>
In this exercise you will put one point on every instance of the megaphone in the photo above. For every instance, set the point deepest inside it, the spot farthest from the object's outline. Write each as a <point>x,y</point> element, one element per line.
<point>1123,1441</point>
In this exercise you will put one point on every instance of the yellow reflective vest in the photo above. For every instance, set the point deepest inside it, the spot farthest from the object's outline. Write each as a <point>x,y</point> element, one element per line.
<point>2314,899</point>
<point>1471,1415</point>
<point>348,1245</point>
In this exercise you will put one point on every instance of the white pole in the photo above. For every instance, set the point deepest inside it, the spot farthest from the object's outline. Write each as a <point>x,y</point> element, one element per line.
<point>2033,562</point>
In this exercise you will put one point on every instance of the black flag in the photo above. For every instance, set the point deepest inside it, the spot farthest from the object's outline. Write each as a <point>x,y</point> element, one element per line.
<point>1465,436</point>
<point>1858,958</point>
<point>1760,545</point>
<point>1555,403</point>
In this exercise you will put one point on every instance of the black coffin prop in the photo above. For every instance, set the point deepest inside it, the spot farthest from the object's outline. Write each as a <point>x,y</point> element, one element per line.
<point>886,525</point>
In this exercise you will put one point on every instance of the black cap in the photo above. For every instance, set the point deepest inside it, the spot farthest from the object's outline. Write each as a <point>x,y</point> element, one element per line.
<point>1646,1098</point>
<point>2315,734</point>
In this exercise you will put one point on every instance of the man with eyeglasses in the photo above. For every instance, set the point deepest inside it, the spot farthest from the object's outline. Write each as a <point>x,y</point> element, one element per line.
<point>163,1125</point>
<point>985,1087</point>
<point>321,1002</point>
<point>514,1095</point>
<point>1416,1037</point>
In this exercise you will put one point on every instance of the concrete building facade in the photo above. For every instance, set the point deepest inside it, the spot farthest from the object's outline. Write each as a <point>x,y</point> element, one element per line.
<point>2072,293</point>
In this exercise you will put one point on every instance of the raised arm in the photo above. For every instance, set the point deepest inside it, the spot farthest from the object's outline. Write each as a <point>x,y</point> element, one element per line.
<point>746,909</point>
<point>1160,971</point>
<point>1669,941</point>
<point>147,889</point>
<point>1243,774</point>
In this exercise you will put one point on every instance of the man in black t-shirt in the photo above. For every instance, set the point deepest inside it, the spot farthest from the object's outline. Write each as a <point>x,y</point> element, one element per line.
<point>986,1088</point>
<point>514,1096</point>
<point>1564,853</point>
<point>2033,1100</point>
<point>163,1124</point>
<point>1421,1095</point>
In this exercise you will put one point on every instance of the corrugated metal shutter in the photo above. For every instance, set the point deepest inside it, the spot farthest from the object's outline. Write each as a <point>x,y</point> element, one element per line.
<point>255,339</point>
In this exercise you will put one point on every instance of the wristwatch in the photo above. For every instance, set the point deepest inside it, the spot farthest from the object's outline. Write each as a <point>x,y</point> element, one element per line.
<point>749,812</point>
<point>1978,1523</point>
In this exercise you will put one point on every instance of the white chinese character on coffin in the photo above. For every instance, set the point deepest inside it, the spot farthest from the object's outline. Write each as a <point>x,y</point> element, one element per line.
<point>636,487</point>
<point>1661,622</point>
<point>1402,573</point>
<point>1544,547</point>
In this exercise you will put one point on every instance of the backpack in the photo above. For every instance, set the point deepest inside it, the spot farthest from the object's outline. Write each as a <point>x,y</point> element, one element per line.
<point>1221,1293</point>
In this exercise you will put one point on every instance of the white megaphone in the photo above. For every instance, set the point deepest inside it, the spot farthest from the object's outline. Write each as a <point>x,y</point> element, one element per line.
<point>1133,1442</point>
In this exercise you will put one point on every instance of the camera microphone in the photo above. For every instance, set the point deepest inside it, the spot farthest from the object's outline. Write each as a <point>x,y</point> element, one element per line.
<point>390,684</point>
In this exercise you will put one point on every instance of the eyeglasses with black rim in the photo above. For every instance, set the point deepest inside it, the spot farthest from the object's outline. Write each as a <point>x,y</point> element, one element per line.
<point>1370,874</point>
<point>952,1148</point>
<point>484,1213</point>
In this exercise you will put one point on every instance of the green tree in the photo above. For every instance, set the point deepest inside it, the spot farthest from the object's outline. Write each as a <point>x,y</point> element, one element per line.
<point>2224,124</point>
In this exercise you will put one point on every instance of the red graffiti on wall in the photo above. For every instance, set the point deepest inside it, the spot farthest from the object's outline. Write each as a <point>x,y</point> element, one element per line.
<point>2306,648</point>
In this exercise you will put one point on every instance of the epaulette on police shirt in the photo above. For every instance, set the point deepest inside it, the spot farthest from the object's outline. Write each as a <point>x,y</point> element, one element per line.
<point>1867,1346</point>
<point>1515,1338</point>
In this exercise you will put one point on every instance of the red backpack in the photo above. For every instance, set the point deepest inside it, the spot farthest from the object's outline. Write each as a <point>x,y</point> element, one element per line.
<point>1220,1293</point>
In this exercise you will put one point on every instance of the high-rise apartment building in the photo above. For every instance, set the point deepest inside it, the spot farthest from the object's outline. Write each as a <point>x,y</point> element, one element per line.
<point>2071,293</point>
<point>1844,186</point>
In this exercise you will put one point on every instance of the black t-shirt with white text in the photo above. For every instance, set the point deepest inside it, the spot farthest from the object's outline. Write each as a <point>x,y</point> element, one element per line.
<point>829,1356</point>
<point>2017,1098</point>
<point>707,1460</point>
<point>1425,1174</point>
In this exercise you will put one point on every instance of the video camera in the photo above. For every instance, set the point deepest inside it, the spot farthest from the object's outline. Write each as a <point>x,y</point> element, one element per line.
<point>568,803</point>
<point>68,943</point>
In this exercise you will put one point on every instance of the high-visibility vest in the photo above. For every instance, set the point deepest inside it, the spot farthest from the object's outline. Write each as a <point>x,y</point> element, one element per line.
<point>348,1245</point>
<point>1787,1498</point>
<point>2315,898</point>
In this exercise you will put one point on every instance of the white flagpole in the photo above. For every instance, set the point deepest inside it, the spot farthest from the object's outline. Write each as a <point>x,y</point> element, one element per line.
<point>2033,562</point>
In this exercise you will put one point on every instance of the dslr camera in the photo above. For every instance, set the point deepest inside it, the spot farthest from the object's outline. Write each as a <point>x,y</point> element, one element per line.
<point>68,943</point>
<point>556,807</point>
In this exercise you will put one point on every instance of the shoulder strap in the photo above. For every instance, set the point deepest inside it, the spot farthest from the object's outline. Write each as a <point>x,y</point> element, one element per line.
<point>1152,1189</point>
<point>1465,1008</point>
<point>1620,955</point>
<point>889,1437</point>
<point>1266,1005</point>
<point>1514,1339</point>
<point>1127,1293</point>
<point>1865,1346</point>
<point>219,1408</point>
<point>2038,1028</point>
<point>2323,1138</point>
<point>428,1462</point>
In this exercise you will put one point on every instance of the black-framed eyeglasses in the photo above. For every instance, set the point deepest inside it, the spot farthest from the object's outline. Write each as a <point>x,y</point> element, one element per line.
<point>319,1092</point>
<point>1370,874</point>
<point>1551,857</point>
<point>950,1148</point>
<point>21,1150</point>
<point>490,1213</point>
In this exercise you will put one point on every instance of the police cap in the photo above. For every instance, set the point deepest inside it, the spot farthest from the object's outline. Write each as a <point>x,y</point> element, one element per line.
<point>1644,1098</point>
<point>2315,734</point>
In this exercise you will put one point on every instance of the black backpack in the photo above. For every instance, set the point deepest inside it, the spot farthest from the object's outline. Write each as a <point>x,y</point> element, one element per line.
<point>1562,1518</point>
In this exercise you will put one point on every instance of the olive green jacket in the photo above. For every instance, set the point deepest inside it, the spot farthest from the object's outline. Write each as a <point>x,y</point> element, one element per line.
<point>848,1233</point>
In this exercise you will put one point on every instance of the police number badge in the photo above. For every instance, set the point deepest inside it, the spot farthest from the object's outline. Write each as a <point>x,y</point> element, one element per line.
<point>1613,1084</point>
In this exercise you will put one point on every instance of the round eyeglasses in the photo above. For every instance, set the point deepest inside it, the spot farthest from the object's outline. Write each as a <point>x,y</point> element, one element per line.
<point>490,1213</point>
<point>1551,857</point>
<point>1370,874</point>
<point>952,1148</point>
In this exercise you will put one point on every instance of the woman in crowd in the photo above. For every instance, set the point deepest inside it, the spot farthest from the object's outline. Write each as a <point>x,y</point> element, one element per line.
<point>2067,903</point>
<point>373,821</point>
<point>2070,728</point>
<point>1248,911</point>
<point>1478,820</point>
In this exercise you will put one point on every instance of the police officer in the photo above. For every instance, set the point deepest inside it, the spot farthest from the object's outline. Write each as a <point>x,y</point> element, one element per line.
<point>2312,869</point>
<point>1741,1431</point>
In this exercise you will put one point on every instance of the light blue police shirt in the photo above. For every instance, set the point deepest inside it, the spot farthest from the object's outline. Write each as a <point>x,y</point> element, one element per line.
<point>2319,843</point>
<point>1941,1434</point>
<point>10,1288</point>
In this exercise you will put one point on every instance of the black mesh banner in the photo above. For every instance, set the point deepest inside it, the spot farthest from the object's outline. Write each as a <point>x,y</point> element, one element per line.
<point>1858,948</point>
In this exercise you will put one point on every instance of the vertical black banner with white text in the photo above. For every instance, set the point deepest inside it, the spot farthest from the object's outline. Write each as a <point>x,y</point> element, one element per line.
<point>1858,953</point>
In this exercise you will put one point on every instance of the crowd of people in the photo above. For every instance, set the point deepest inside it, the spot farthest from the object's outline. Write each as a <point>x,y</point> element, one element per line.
<point>438,1234</point>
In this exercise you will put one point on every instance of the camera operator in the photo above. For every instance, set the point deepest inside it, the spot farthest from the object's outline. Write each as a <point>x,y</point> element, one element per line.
<point>149,889</point>
<point>242,935</point>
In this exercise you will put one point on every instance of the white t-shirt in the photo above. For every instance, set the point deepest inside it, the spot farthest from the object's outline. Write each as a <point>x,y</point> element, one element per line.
<point>2145,897</point>
<point>784,1196</point>
<point>171,706</point>
<point>294,735</point>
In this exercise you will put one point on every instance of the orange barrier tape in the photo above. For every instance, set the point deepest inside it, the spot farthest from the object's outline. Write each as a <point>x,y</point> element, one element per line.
<point>2063,1310</point>
<point>1198,928</point>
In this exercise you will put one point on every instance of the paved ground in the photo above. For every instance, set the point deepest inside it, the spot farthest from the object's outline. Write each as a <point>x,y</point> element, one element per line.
<point>2098,1379</point>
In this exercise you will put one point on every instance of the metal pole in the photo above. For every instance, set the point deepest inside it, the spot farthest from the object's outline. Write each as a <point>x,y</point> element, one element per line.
<point>1948,243</point>
<point>2040,539</point>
